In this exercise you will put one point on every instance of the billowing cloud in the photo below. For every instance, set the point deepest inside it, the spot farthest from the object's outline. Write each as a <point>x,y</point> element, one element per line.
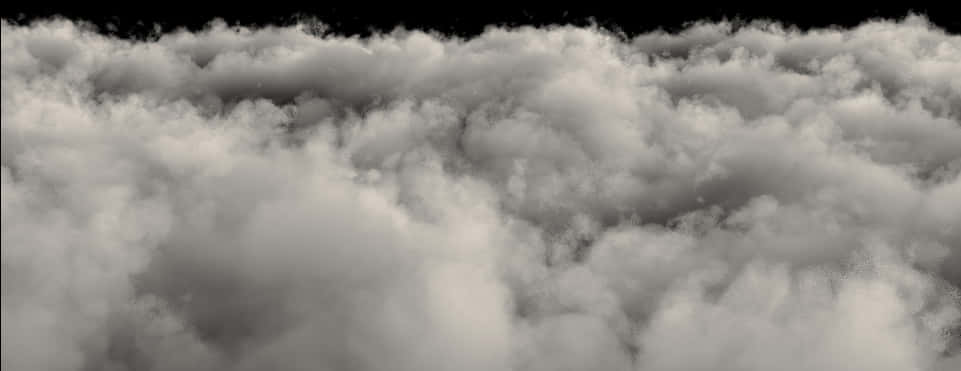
<point>723,198</point>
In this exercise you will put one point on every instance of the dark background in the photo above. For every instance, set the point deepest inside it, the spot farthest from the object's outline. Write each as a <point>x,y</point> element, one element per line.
<point>463,18</point>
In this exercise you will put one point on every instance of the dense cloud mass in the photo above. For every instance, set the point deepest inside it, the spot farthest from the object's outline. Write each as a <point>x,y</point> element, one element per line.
<point>751,197</point>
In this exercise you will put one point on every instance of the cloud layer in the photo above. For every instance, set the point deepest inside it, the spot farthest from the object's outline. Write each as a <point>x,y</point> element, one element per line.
<point>561,198</point>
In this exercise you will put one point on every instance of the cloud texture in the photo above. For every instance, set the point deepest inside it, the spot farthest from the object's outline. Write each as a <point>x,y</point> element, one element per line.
<point>560,198</point>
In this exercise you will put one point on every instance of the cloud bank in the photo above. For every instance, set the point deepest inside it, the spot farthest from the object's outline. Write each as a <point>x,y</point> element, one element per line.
<point>559,198</point>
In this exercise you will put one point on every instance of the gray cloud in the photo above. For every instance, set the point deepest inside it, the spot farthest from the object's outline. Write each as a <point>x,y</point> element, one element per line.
<point>722,198</point>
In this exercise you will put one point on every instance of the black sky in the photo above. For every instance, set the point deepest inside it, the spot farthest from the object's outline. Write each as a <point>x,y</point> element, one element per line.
<point>464,18</point>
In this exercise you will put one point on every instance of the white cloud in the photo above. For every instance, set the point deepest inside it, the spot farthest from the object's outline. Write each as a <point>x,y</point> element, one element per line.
<point>531,198</point>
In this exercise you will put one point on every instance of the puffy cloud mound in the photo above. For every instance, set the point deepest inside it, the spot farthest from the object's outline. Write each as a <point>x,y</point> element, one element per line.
<point>750,197</point>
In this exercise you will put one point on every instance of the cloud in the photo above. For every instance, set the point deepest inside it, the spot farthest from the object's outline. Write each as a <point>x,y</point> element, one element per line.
<point>738,198</point>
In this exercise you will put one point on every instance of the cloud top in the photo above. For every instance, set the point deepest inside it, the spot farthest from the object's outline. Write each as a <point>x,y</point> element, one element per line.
<point>725,198</point>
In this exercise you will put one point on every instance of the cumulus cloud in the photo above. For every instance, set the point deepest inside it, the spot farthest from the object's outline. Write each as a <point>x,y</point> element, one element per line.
<point>748,197</point>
